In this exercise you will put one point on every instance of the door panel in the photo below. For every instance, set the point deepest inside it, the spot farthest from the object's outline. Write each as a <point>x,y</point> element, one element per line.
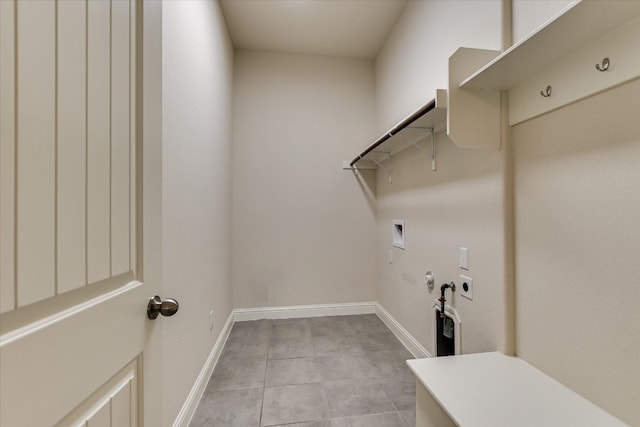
<point>35,151</point>
<point>51,367</point>
<point>74,337</point>
<point>113,405</point>
<point>71,145</point>
<point>68,164</point>
<point>101,418</point>
<point>7,156</point>
<point>120,149</point>
<point>98,141</point>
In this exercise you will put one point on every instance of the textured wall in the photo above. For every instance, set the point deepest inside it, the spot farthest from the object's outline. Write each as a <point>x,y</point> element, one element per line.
<point>577,246</point>
<point>458,205</point>
<point>197,82</point>
<point>304,229</point>
<point>413,61</point>
<point>578,239</point>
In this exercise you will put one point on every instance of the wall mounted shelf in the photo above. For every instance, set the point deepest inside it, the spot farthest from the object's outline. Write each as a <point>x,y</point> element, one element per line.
<point>473,115</point>
<point>562,62</point>
<point>491,389</point>
<point>563,53</point>
<point>578,25</point>
<point>421,124</point>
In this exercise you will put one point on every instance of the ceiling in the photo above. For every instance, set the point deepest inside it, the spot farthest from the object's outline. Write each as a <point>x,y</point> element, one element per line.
<point>352,28</point>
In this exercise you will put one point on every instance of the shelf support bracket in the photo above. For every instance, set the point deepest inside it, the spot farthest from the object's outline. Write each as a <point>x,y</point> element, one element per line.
<point>433,150</point>
<point>433,144</point>
<point>389,170</point>
<point>346,165</point>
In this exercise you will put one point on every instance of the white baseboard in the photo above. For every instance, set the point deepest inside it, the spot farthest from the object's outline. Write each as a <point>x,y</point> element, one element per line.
<point>297,311</point>
<point>191,404</point>
<point>412,344</point>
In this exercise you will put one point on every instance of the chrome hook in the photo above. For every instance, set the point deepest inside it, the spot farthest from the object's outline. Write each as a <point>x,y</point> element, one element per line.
<point>547,92</point>
<point>604,66</point>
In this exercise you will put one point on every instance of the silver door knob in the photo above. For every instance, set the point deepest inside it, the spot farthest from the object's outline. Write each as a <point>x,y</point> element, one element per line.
<point>167,307</point>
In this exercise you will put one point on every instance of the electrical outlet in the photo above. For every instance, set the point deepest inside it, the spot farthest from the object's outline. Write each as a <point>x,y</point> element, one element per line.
<point>211,320</point>
<point>466,287</point>
<point>464,258</point>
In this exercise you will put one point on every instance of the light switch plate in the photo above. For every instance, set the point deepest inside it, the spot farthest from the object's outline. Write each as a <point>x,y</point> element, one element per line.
<point>464,258</point>
<point>466,287</point>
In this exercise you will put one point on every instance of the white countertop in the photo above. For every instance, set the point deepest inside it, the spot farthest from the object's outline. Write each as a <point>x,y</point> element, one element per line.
<point>494,390</point>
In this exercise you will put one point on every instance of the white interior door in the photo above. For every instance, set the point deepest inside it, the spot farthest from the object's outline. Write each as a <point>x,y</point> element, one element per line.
<point>80,212</point>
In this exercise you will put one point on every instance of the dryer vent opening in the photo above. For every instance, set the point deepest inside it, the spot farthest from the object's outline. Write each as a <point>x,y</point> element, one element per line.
<point>445,335</point>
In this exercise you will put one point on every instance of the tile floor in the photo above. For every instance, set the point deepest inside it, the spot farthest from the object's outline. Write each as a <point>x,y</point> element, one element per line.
<point>339,371</point>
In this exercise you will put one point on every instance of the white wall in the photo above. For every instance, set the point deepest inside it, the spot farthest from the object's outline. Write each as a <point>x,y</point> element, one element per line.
<point>303,229</point>
<point>578,239</point>
<point>528,15</point>
<point>577,246</point>
<point>197,83</point>
<point>413,62</point>
<point>460,204</point>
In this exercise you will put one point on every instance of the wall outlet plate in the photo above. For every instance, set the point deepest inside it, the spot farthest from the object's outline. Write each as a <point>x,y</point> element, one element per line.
<point>464,258</point>
<point>466,287</point>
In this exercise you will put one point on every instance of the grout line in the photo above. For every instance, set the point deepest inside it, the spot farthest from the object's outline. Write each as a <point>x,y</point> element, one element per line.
<point>261,407</point>
<point>264,382</point>
<point>326,397</point>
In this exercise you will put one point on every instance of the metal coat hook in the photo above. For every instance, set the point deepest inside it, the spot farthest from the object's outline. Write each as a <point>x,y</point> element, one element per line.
<point>604,66</point>
<point>547,92</point>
